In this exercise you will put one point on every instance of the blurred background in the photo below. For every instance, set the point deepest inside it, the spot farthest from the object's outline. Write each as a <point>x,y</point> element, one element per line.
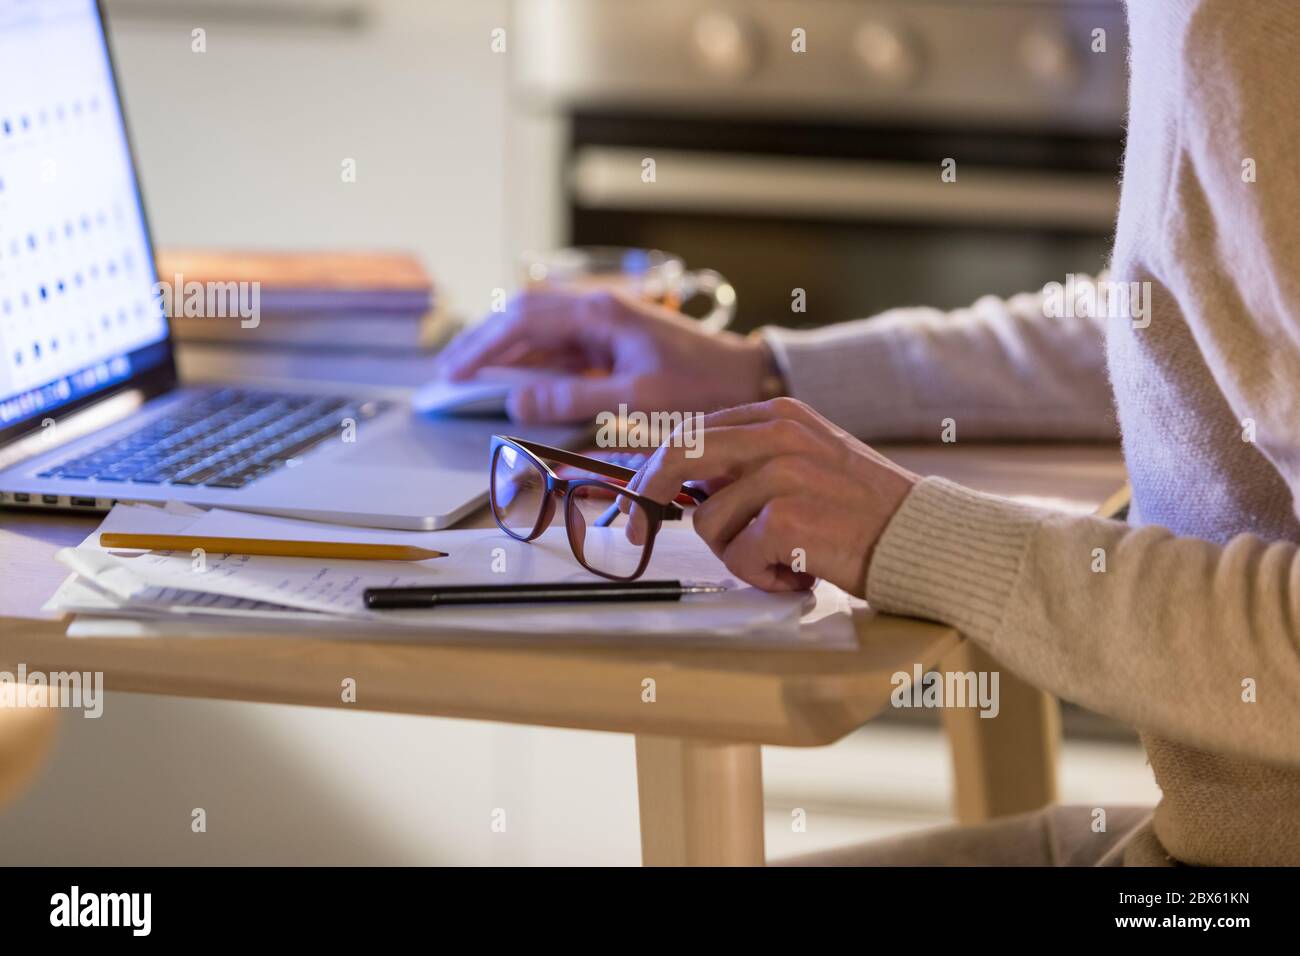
<point>797,144</point>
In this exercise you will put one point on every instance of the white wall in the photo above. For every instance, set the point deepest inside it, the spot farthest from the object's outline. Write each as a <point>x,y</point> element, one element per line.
<point>243,144</point>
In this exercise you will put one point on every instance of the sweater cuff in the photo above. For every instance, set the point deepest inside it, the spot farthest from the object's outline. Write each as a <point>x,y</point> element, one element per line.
<point>952,555</point>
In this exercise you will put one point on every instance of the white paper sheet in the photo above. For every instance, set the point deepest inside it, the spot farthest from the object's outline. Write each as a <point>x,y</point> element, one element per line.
<point>271,592</point>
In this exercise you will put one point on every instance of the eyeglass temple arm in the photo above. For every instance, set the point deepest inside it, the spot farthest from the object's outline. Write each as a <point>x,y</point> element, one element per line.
<point>594,465</point>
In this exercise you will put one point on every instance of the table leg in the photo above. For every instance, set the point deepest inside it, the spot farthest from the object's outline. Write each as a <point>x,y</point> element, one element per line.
<point>1004,764</point>
<point>26,735</point>
<point>701,802</point>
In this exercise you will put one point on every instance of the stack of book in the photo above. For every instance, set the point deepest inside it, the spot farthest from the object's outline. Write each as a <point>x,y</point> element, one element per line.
<point>326,300</point>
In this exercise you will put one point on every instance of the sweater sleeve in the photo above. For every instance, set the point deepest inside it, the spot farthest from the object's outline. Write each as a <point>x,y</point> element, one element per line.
<point>1001,369</point>
<point>1193,641</point>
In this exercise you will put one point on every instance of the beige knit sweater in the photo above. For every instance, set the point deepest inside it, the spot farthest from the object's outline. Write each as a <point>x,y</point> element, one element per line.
<point>1192,631</point>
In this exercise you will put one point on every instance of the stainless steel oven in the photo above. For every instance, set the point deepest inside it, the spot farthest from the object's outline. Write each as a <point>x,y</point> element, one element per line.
<point>866,153</point>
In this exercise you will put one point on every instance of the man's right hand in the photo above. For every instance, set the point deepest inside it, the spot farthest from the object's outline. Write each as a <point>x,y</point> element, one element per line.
<point>619,349</point>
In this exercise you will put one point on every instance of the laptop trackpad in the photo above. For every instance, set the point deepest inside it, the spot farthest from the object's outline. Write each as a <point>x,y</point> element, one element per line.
<point>445,444</point>
<point>451,444</point>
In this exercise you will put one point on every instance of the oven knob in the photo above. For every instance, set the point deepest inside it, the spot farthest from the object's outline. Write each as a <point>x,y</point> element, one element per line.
<point>726,44</point>
<point>889,53</point>
<point>1049,57</point>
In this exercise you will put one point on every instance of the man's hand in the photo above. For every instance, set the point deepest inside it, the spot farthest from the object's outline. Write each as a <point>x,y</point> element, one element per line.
<point>792,497</point>
<point>620,349</point>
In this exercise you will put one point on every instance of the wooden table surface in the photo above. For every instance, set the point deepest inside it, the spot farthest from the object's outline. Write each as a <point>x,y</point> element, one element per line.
<point>794,696</point>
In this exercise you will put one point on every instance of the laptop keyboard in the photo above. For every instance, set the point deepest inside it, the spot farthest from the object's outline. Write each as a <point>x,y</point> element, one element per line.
<point>222,439</point>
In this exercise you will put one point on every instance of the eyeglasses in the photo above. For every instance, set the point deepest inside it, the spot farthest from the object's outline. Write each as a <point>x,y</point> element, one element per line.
<point>524,491</point>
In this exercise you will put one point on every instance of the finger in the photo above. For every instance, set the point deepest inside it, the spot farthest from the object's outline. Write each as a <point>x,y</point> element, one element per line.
<point>532,320</point>
<point>725,514</point>
<point>711,486</point>
<point>752,414</point>
<point>727,452</point>
<point>635,481</point>
<point>638,519</point>
<point>469,339</point>
<point>756,557</point>
<point>719,469</point>
<point>731,451</point>
<point>755,412</point>
<point>571,399</point>
<point>497,339</point>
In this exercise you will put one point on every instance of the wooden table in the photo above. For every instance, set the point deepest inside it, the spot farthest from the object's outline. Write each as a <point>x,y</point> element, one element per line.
<point>697,743</point>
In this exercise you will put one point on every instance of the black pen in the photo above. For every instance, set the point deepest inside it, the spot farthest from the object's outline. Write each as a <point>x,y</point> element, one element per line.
<point>393,599</point>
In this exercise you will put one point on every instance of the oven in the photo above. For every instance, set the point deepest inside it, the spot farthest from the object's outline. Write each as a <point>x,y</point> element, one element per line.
<point>835,158</point>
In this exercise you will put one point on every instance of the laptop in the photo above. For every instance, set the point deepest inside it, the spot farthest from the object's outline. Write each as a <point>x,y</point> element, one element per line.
<point>91,409</point>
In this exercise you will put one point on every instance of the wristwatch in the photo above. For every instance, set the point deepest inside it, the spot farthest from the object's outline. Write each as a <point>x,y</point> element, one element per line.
<point>772,384</point>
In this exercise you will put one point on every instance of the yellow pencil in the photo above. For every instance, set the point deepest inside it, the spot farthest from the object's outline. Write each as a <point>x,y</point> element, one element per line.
<point>280,549</point>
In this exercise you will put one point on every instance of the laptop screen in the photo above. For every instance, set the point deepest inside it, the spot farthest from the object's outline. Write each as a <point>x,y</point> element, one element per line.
<point>78,313</point>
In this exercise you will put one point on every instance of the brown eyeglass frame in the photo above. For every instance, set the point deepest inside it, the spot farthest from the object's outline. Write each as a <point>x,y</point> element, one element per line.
<point>557,487</point>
